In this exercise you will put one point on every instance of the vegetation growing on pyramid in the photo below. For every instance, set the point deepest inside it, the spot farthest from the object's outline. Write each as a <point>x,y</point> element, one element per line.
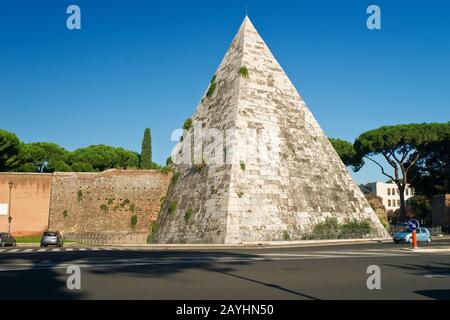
<point>188,215</point>
<point>243,71</point>
<point>212,87</point>
<point>173,207</point>
<point>187,125</point>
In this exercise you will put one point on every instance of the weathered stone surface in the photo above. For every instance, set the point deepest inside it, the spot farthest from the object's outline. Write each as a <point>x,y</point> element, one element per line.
<point>105,202</point>
<point>280,173</point>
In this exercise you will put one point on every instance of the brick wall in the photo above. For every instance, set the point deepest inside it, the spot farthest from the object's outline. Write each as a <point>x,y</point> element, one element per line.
<point>30,200</point>
<point>106,202</point>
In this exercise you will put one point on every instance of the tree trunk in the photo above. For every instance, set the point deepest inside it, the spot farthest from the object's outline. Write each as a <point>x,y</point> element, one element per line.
<point>401,189</point>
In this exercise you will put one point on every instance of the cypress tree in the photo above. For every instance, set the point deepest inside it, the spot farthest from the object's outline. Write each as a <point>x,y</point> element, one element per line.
<point>146,151</point>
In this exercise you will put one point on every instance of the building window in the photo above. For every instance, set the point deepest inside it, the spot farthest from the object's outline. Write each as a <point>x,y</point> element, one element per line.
<point>398,203</point>
<point>389,203</point>
<point>389,191</point>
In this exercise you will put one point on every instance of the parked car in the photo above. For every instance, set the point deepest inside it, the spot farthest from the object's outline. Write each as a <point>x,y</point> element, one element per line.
<point>405,236</point>
<point>50,238</point>
<point>7,240</point>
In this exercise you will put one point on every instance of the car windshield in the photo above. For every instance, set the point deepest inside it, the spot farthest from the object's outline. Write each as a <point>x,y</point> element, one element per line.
<point>406,230</point>
<point>49,234</point>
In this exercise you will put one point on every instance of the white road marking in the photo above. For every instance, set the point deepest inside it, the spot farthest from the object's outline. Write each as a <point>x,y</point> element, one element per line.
<point>42,250</point>
<point>437,276</point>
<point>1,250</point>
<point>69,249</point>
<point>14,250</point>
<point>82,249</point>
<point>95,249</point>
<point>56,250</point>
<point>28,250</point>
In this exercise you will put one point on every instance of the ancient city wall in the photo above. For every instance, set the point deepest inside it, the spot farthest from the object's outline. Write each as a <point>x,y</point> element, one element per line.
<point>97,205</point>
<point>30,201</point>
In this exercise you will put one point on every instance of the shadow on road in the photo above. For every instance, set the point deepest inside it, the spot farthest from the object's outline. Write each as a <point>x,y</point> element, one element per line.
<point>435,294</point>
<point>42,281</point>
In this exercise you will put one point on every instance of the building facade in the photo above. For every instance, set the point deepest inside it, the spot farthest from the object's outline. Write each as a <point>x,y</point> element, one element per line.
<point>389,193</point>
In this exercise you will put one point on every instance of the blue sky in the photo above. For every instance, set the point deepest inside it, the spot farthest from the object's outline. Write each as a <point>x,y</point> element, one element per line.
<point>138,64</point>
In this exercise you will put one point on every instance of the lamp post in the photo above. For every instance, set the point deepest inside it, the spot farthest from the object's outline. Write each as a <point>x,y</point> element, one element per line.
<point>9,206</point>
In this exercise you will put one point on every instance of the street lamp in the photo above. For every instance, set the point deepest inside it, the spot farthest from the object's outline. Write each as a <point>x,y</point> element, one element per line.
<point>9,206</point>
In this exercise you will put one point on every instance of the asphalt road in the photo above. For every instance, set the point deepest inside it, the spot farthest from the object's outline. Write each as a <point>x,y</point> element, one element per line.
<point>319,272</point>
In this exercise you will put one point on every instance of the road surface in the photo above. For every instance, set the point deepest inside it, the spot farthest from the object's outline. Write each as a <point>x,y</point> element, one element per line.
<point>319,272</point>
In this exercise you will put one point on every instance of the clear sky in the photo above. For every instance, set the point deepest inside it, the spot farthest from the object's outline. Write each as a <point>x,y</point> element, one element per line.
<point>137,64</point>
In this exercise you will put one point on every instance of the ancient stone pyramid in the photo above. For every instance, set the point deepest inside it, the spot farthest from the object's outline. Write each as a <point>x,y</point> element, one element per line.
<point>264,170</point>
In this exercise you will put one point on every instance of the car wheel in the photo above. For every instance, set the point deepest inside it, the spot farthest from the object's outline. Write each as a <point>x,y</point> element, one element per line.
<point>2,244</point>
<point>428,240</point>
<point>410,240</point>
<point>14,244</point>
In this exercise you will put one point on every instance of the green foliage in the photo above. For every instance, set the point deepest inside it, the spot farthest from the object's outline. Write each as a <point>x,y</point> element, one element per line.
<point>9,151</point>
<point>430,176</point>
<point>132,207</point>
<point>286,236</point>
<point>401,146</point>
<point>165,170</point>
<point>102,157</point>
<point>187,125</point>
<point>175,178</point>
<point>104,208</point>
<point>212,87</point>
<point>82,167</point>
<point>240,194</point>
<point>124,203</point>
<point>65,214</point>
<point>79,195</point>
<point>146,151</point>
<point>133,221</point>
<point>169,161</point>
<point>346,152</point>
<point>242,164</point>
<point>110,201</point>
<point>58,166</point>
<point>243,71</point>
<point>44,157</point>
<point>188,215</point>
<point>173,207</point>
<point>331,229</point>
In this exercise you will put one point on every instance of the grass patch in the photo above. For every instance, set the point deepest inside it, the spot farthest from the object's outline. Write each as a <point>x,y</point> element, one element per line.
<point>243,71</point>
<point>65,214</point>
<point>331,229</point>
<point>212,87</point>
<point>187,124</point>
<point>34,239</point>
<point>79,195</point>
<point>240,194</point>
<point>286,236</point>
<point>132,207</point>
<point>104,208</point>
<point>133,221</point>
<point>173,207</point>
<point>175,177</point>
<point>188,215</point>
<point>242,164</point>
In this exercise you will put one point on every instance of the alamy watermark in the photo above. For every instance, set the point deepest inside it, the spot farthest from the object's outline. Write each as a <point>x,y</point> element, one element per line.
<point>74,280</point>
<point>374,20</point>
<point>374,280</point>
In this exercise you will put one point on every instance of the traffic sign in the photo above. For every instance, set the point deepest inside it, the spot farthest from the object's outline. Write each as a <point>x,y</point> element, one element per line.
<point>413,225</point>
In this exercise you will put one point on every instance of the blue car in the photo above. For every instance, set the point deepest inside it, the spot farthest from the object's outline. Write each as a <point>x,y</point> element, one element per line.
<point>405,236</point>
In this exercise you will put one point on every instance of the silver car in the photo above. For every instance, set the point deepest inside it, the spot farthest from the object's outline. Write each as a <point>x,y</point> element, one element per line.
<point>51,238</point>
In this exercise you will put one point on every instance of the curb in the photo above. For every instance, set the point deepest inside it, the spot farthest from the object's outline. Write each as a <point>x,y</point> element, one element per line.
<point>34,244</point>
<point>427,250</point>
<point>254,245</point>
